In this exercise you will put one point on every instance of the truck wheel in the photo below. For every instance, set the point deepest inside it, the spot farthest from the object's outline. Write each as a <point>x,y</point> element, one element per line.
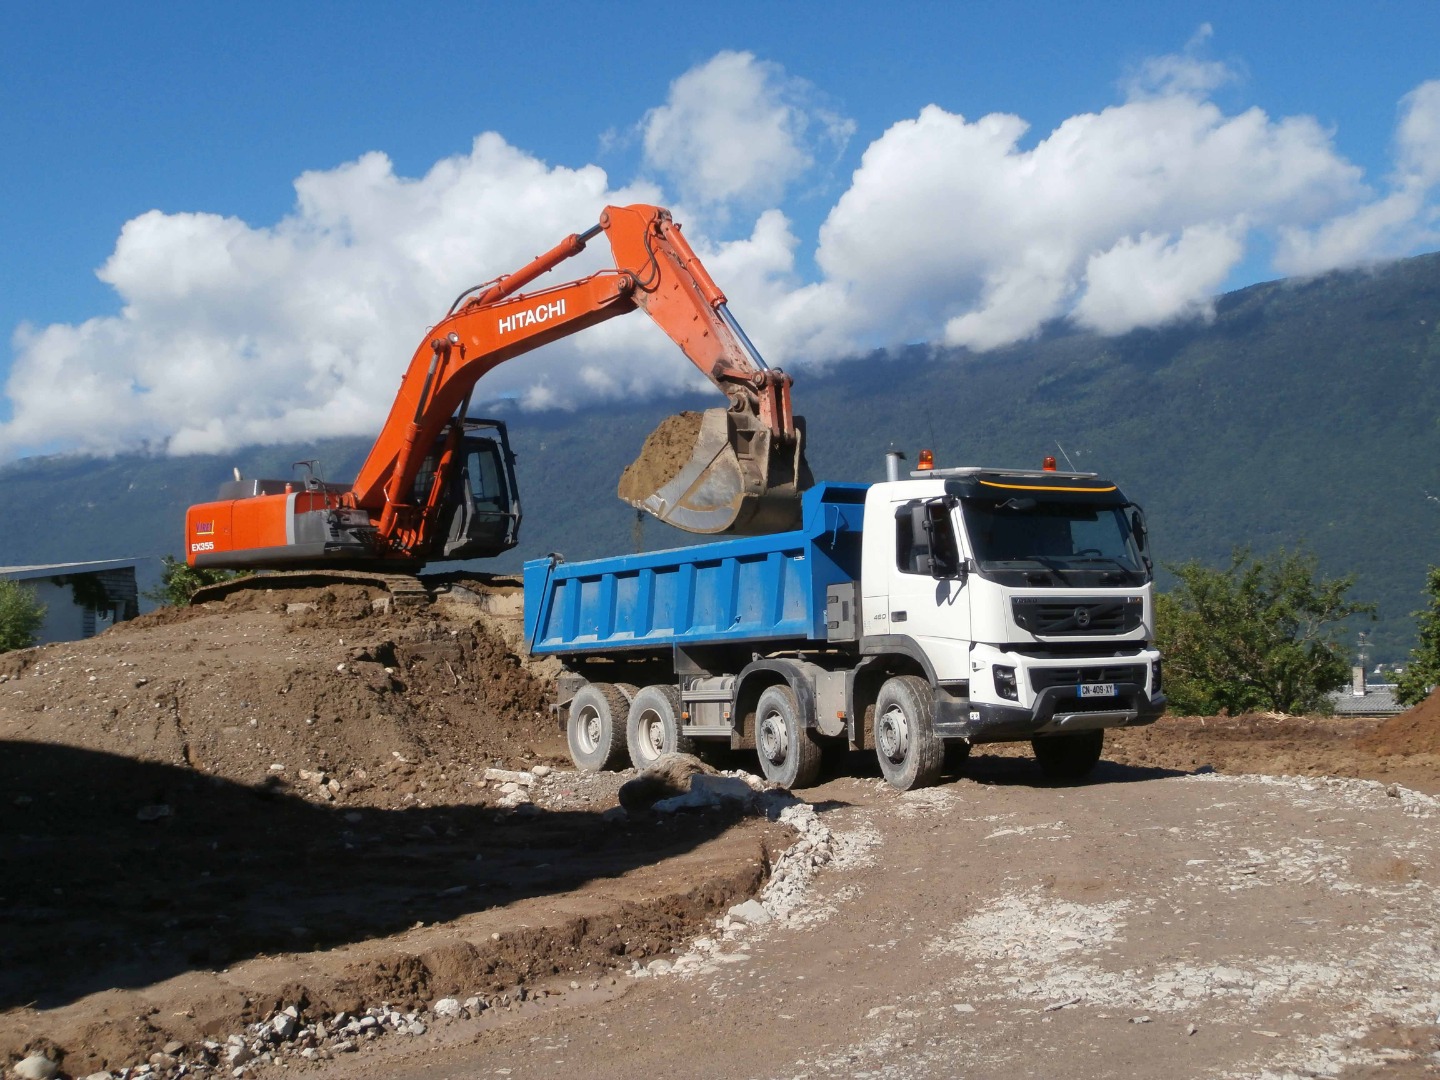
<point>1070,756</point>
<point>652,726</point>
<point>789,755</point>
<point>910,754</point>
<point>595,727</point>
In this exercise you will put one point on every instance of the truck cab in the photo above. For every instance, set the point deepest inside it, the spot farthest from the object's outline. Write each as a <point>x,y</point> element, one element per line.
<point>1025,596</point>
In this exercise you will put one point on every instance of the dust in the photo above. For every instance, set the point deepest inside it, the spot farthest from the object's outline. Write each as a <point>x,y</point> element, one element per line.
<point>665,453</point>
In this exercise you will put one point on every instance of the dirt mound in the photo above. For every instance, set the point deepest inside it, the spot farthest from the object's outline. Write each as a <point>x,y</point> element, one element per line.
<point>306,769</point>
<point>1415,731</point>
<point>1277,745</point>
<point>664,454</point>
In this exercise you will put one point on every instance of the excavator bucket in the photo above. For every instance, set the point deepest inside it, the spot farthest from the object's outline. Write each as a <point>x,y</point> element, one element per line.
<point>719,472</point>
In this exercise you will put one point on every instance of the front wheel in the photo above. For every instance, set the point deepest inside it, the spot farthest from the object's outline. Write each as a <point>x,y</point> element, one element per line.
<point>1070,756</point>
<point>595,727</point>
<point>910,753</point>
<point>652,727</point>
<point>789,754</point>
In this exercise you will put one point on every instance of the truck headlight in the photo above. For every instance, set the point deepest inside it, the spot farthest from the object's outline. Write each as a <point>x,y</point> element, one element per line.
<point>1154,676</point>
<point>1005,682</point>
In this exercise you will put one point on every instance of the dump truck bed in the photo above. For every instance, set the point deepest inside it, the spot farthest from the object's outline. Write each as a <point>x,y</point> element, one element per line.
<point>758,588</point>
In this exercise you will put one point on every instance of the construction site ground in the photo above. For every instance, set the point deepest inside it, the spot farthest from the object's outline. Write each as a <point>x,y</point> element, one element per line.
<point>289,798</point>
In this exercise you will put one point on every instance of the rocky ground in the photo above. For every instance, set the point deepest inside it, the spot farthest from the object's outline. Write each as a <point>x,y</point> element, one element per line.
<point>292,827</point>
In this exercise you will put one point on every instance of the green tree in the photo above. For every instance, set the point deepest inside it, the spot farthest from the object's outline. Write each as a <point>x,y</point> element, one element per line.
<point>1422,673</point>
<point>1257,635</point>
<point>178,581</point>
<point>20,616</point>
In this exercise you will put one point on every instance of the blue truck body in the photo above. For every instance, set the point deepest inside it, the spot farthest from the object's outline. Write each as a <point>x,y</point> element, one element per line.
<point>756,588</point>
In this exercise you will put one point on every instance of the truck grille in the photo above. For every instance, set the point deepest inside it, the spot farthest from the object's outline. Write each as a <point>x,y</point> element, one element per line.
<point>1046,677</point>
<point>1080,615</point>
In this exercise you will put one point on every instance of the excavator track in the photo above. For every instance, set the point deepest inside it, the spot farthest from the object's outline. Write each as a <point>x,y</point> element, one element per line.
<point>405,590</point>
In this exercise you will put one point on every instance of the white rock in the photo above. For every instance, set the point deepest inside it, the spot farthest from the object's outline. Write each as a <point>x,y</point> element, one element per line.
<point>542,771</point>
<point>283,1025</point>
<point>238,1055</point>
<point>417,1027</point>
<point>659,967</point>
<point>36,1067</point>
<point>751,912</point>
<point>509,776</point>
<point>449,1007</point>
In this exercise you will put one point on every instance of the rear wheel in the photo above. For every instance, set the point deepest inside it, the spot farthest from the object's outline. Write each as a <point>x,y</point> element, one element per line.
<point>789,755</point>
<point>652,727</point>
<point>1070,756</point>
<point>595,727</point>
<point>910,754</point>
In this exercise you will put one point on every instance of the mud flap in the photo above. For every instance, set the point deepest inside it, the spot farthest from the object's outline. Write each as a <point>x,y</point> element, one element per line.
<point>739,479</point>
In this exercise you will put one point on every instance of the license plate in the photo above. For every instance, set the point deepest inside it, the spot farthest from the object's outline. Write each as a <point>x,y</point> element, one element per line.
<point>1097,689</point>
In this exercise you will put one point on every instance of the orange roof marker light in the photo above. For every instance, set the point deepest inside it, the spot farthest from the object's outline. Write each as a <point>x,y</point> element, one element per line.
<point>926,462</point>
<point>1049,463</point>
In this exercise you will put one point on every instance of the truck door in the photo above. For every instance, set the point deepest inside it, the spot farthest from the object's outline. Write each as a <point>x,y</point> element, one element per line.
<point>928,599</point>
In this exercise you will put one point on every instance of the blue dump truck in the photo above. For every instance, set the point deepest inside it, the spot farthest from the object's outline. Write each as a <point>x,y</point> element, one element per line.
<point>916,617</point>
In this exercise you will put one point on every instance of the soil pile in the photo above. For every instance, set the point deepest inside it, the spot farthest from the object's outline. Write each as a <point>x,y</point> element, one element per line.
<point>664,454</point>
<point>1279,745</point>
<point>313,771</point>
<point>1415,731</point>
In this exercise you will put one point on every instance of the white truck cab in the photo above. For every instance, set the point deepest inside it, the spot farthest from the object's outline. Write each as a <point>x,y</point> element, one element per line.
<point>1027,596</point>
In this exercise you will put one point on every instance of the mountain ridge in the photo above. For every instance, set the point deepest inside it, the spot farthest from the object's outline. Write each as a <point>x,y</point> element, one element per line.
<point>1301,412</point>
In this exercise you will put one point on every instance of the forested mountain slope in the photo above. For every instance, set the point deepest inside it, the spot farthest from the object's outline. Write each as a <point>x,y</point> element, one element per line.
<point>1304,412</point>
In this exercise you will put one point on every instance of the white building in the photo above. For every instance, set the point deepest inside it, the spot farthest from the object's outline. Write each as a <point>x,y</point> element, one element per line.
<point>81,599</point>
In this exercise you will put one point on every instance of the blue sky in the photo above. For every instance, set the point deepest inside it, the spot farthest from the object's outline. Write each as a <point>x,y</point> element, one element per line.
<point>111,112</point>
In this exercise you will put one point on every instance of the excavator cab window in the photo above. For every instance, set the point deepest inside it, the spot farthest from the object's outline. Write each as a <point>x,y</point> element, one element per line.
<point>481,508</point>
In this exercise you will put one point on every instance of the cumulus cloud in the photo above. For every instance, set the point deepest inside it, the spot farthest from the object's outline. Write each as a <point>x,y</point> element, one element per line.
<point>956,230</point>
<point>232,334</point>
<point>739,128</point>
<point>950,221</point>
<point>1400,221</point>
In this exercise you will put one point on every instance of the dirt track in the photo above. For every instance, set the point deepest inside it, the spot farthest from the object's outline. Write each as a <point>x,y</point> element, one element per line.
<point>219,812</point>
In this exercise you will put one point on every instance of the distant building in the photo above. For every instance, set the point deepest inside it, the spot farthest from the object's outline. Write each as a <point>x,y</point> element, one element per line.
<point>1363,698</point>
<point>81,599</point>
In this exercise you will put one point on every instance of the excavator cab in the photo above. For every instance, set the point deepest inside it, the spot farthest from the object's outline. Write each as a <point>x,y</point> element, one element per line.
<point>479,507</point>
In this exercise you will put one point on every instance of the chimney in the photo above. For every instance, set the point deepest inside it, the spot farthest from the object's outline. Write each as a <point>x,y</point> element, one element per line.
<point>1357,680</point>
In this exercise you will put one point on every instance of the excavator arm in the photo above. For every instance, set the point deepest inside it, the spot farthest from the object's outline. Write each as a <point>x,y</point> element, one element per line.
<point>748,467</point>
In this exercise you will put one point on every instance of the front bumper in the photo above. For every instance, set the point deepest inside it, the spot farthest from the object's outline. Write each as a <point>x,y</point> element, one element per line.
<point>1056,710</point>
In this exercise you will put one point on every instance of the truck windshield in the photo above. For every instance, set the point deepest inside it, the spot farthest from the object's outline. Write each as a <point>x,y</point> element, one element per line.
<point>1069,538</point>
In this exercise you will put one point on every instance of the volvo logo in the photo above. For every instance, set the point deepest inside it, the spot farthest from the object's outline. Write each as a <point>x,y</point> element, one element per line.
<point>1082,617</point>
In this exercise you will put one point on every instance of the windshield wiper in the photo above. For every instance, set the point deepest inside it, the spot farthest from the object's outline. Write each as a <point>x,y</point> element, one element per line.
<point>1105,559</point>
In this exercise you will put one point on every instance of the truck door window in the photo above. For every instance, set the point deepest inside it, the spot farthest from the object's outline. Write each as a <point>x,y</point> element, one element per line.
<point>925,539</point>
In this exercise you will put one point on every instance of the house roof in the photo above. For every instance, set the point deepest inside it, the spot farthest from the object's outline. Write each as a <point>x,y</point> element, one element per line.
<point>25,573</point>
<point>1378,700</point>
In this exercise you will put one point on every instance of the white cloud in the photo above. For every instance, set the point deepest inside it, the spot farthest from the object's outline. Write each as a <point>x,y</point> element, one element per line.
<point>1187,73</point>
<point>1153,279</point>
<point>231,334</point>
<point>949,222</point>
<point>1401,221</point>
<point>739,128</point>
<point>951,230</point>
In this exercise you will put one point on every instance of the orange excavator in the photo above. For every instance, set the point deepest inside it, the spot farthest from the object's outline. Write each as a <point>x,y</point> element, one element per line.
<point>440,485</point>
